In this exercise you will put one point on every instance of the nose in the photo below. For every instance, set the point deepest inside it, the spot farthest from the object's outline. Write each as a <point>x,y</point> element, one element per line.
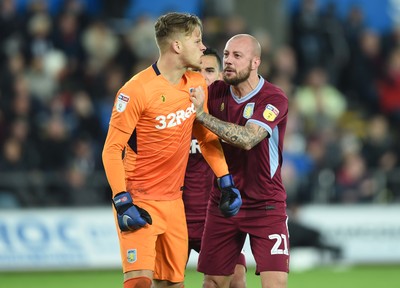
<point>203,47</point>
<point>227,62</point>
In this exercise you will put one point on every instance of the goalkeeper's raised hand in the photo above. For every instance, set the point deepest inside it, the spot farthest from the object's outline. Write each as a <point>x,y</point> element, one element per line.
<point>130,217</point>
<point>230,196</point>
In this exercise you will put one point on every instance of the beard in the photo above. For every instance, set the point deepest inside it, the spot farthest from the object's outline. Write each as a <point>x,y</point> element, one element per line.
<point>240,77</point>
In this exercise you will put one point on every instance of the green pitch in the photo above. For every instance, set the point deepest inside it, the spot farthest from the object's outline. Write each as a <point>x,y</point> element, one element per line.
<point>327,277</point>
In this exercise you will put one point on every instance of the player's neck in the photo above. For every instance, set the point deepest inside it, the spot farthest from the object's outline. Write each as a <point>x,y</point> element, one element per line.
<point>245,87</point>
<point>170,70</point>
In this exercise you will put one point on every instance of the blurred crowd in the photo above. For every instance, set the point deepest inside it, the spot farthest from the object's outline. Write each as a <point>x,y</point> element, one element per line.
<point>60,71</point>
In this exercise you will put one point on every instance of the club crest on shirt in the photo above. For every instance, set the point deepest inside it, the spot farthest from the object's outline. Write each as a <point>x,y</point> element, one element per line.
<point>222,107</point>
<point>122,101</point>
<point>248,110</point>
<point>131,255</point>
<point>270,113</point>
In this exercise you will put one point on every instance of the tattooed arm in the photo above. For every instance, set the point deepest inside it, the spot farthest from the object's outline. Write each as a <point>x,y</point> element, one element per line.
<point>245,137</point>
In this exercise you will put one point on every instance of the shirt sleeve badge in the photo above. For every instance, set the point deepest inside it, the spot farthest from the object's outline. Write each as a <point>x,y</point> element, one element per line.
<point>270,113</point>
<point>122,101</point>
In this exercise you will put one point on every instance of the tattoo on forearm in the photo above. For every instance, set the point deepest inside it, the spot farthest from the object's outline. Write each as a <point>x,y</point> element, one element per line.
<point>245,137</point>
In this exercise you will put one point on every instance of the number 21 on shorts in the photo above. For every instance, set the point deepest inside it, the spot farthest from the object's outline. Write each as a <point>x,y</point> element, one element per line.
<point>278,241</point>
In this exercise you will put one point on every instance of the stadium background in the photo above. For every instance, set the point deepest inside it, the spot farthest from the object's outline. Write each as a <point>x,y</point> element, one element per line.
<point>62,61</point>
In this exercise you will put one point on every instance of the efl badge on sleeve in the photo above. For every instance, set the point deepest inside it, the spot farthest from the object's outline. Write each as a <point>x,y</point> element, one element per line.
<point>131,255</point>
<point>270,112</point>
<point>248,110</point>
<point>122,101</point>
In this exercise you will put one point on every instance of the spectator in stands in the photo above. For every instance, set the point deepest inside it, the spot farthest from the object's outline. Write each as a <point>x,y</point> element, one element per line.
<point>18,159</point>
<point>307,37</point>
<point>334,42</point>
<point>55,144</point>
<point>319,102</point>
<point>12,157</point>
<point>11,25</point>
<point>364,70</point>
<point>381,153</point>
<point>11,160</point>
<point>82,165</point>
<point>41,84</point>
<point>378,145</point>
<point>23,106</point>
<point>284,64</point>
<point>355,183</point>
<point>20,130</point>
<point>86,122</point>
<point>389,87</point>
<point>96,35</point>
<point>11,74</point>
<point>141,39</point>
<point>298,163</point>
<point>67,38</point>
<point>114,78</point>
<point>391,40</point>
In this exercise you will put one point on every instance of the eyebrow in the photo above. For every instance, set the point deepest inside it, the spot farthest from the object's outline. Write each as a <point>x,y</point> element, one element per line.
<point>233,52</point>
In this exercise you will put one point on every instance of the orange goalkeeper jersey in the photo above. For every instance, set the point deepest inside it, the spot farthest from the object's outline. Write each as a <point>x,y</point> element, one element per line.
<point>146,150</point>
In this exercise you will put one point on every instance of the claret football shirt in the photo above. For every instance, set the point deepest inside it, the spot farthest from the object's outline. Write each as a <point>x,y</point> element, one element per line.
<point>257,172</point>
<point>199,179</point>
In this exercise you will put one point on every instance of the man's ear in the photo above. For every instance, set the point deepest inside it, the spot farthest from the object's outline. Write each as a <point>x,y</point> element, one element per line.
<point>255,63</point>
<point>177,46</point>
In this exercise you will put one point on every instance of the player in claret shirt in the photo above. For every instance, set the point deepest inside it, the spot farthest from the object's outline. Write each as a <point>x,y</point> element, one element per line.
<point>199,179</point>
<point>249,114</point>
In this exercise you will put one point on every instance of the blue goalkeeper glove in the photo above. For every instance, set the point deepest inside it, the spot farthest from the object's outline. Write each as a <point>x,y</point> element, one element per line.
<point>130,217</point>
<point>231,200</point>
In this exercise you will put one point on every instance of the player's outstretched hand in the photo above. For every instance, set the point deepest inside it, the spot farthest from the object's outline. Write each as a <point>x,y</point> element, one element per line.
<point>230,196</point>
<point>130,216</point>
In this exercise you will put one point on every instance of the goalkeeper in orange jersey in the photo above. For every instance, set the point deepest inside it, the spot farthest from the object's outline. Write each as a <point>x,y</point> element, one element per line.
<point>146,152</point>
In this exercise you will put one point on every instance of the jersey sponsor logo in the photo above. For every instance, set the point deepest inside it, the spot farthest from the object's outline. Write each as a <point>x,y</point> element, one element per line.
<point>131,255</point>
<point>248,110</point>
<point>175,118</point>
<point>194,147</point>
<point>270,113</point>
<point>122,101</point>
